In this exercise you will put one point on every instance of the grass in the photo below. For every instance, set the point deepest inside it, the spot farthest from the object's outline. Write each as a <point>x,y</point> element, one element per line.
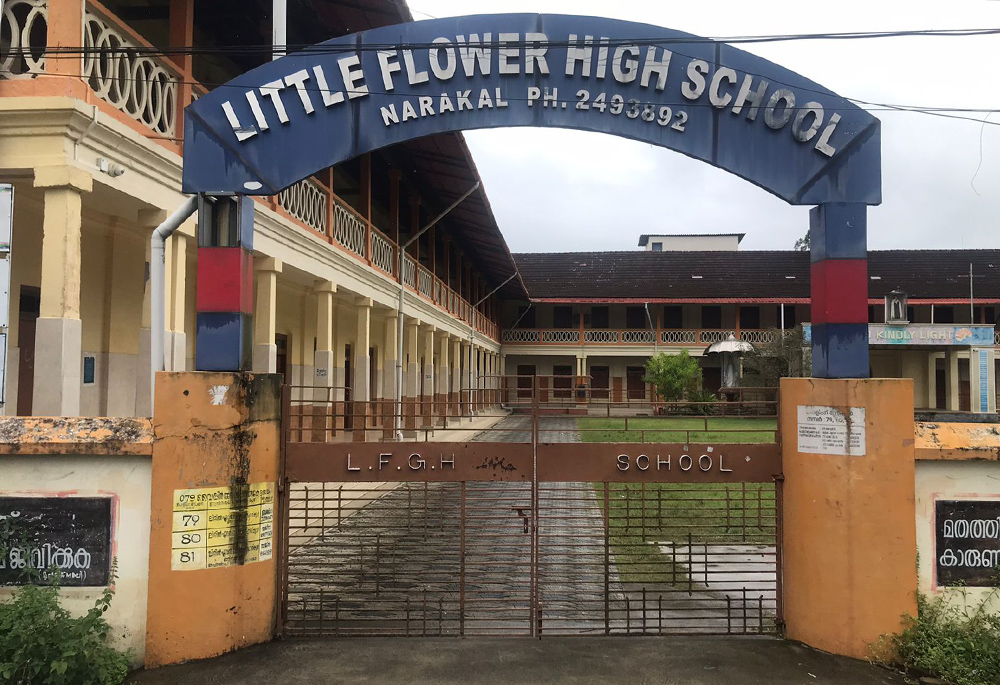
<point>683,514</point>
<point>714,429</point>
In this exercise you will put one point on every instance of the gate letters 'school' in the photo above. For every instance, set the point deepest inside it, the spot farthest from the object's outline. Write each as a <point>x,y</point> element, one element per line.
<point>532,538</point>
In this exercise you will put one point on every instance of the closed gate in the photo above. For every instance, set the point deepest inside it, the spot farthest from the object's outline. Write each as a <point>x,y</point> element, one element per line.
<point>529,538</point>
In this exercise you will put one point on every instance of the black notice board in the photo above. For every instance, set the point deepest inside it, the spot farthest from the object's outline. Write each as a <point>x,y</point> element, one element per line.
<point>44,534</point>
<point>967,542</point>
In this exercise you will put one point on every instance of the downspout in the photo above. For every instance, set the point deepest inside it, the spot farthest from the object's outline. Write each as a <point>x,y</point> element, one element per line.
<point>399,304</point>
<point>649,319</point>
<point>157,299</point>
<point>279,28</point>
<point>472,333</point>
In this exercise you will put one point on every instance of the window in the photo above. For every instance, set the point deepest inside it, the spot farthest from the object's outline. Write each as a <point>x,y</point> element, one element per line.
<point>871,314</point>
<point>944,315</point>
<point>635,317</point>
<point>673,317</point>
<point>657,247</point>
<point>599,317</point>
<point>562,317</point>
<point>711,316</point>
<point>985,315</point>
<point>526,317</point>
<point>750,318</point>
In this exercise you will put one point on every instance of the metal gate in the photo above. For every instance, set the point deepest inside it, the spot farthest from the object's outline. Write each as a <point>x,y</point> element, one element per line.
<point>529,538</point>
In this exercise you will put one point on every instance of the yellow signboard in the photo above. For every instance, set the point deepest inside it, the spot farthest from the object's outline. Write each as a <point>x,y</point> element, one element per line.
<point>222,526</point>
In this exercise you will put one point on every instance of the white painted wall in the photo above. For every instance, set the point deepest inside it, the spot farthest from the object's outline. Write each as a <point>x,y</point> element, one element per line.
<point>946,480</point>
<point>125,478</point>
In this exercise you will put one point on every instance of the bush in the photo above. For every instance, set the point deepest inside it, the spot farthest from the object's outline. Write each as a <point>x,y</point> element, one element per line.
<point>673,375</point>
<point>950,642</point>
<point>40,642</point>
<point>699,400</point>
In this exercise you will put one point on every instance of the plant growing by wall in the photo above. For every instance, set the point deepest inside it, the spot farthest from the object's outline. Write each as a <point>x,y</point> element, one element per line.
<point>675,376</point>
<point>956,641</point>
<point>41,642</point>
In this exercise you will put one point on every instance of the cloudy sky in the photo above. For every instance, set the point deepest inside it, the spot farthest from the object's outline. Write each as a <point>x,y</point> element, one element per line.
<point>561,190</point>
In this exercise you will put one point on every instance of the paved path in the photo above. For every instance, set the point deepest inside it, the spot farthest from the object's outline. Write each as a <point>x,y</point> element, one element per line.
<point>515,661</point>
<point>404,564</point>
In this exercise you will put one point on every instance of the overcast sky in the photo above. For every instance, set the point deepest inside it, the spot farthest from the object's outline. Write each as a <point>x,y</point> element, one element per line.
<point>562,190</point>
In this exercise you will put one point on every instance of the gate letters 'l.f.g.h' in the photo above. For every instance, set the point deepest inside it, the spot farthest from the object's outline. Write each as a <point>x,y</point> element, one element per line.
<point>280,123</point>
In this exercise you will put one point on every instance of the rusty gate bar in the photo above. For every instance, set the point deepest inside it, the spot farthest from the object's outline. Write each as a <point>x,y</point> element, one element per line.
<point>530,537</point>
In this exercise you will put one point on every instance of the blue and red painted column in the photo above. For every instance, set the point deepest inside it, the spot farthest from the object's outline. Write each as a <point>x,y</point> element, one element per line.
<point>839,282</point>
<point>225,285</point>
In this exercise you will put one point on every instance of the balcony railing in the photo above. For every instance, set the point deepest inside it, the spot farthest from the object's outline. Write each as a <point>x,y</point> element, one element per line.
<point>115,62</point>
<point>26,24</point>
<point>633,336</point>
<point>757,337</point>
<point>311,203</point>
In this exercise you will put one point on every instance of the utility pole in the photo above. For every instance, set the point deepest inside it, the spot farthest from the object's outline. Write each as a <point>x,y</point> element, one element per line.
<point>971,277</point>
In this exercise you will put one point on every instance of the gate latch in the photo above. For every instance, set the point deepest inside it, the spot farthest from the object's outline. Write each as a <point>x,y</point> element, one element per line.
<point>524,513</point>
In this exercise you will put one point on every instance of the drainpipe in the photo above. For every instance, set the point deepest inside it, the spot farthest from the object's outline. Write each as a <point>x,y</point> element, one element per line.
<point>279,28</point>
<point>399,306</point>
<point>157,299</point>
<point>472,333</point>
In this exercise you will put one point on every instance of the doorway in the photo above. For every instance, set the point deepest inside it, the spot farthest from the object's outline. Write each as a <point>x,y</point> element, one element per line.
<point>634,383</point>
<point>27,316</point>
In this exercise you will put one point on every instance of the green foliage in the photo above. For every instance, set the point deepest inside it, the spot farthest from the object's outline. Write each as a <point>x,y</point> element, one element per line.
<point>803,243</point>
<point>958,644</point>
<point>786,357</point>
<point>673,375</point>
<point>700,402</point>
<point>40,642</point>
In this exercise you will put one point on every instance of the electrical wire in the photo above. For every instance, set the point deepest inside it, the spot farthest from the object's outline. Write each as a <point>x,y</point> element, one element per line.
<point>321,48</point>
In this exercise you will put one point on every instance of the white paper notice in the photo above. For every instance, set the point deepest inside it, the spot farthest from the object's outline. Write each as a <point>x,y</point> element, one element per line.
<point>832,430</point>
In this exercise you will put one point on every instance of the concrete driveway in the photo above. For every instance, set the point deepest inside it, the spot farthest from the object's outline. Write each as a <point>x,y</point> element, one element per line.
<point>512,661</point>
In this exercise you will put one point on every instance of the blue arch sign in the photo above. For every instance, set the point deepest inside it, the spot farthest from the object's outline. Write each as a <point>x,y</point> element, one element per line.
<point>310,110</point>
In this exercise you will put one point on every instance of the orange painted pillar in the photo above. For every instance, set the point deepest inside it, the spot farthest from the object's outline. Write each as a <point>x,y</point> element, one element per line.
<point>850,549</point>
<point>213,556</point>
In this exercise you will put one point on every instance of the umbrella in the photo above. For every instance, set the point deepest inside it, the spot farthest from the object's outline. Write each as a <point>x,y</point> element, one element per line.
<point>730,349</point>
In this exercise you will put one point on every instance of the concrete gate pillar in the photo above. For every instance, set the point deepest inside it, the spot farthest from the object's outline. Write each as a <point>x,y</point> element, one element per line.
<point>215,458</point>
<point>58,336</point>
<point>265,351</point>
<point>848,511</point>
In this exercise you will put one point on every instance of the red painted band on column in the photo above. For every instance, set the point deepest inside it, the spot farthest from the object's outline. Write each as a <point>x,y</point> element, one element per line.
<point>839,291</point>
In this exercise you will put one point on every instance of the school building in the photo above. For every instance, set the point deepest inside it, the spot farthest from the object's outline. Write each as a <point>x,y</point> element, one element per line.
<point>600,315</point>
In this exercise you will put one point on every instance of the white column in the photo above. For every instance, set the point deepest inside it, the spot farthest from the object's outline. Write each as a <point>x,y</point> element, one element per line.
<point>324,357</point>
<point>265,351</point>
<point>362,343</point>
<point>951,378</point>
<point>58,331</point>
<point>427,398</point>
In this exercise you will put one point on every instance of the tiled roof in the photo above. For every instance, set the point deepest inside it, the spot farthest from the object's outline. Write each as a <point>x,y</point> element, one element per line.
<point>747,274</point>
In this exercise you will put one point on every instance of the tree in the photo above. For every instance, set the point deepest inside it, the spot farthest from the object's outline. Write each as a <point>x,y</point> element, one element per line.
<point>803,244</point>
<point>673,375</point>
<point>786,356</point>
